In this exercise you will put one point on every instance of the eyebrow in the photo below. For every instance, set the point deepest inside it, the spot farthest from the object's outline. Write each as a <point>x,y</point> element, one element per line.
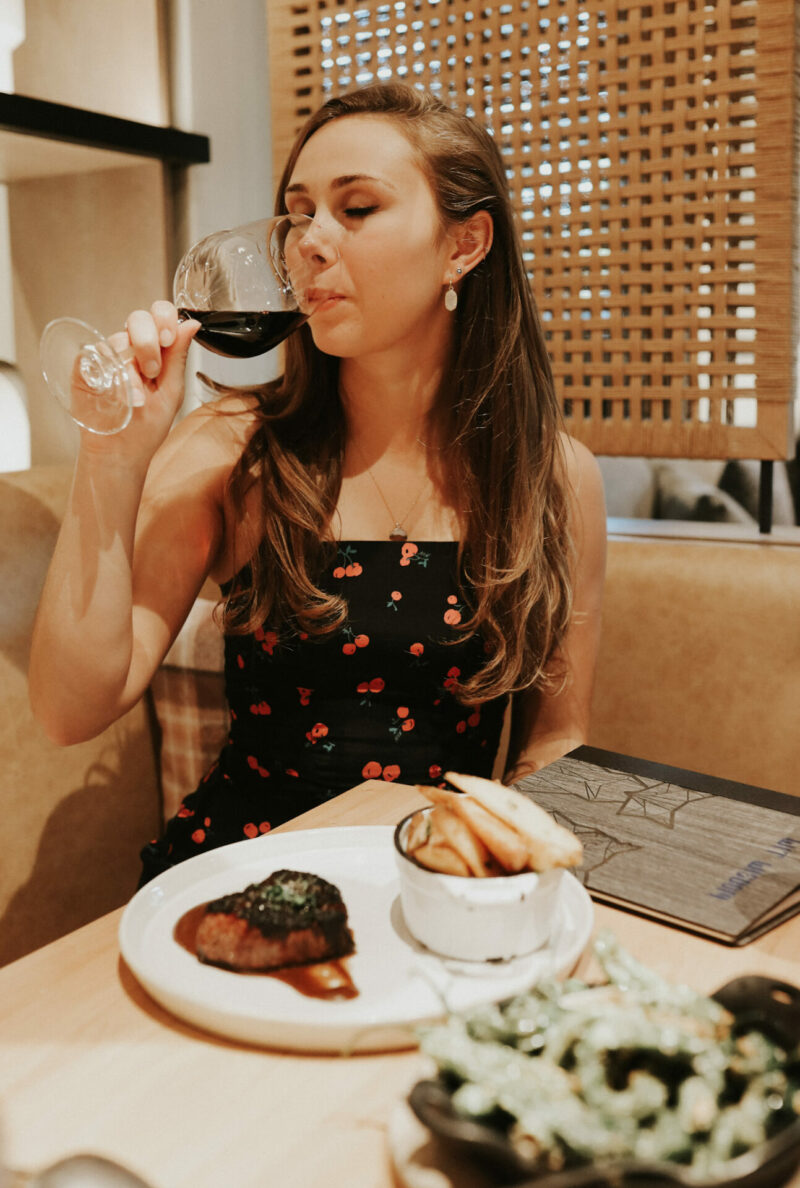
<point>339,183</point>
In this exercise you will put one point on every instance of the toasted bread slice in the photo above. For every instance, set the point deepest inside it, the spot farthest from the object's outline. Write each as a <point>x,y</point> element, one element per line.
<point>547,843</point>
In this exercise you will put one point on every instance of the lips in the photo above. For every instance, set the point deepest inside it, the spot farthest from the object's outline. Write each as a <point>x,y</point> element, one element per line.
<point>320,298</point>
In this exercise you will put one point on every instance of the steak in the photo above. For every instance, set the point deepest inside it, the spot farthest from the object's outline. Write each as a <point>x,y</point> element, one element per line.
<point>291,918</point>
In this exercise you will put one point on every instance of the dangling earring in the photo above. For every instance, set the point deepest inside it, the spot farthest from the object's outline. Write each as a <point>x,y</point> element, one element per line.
<point>451,296</point>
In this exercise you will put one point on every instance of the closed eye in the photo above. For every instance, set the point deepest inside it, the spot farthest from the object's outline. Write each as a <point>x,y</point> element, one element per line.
<point>359,212</point>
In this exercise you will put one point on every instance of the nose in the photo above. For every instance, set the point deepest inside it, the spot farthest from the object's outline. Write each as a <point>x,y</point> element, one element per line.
<point>317,246</point>
<point>305,249</point>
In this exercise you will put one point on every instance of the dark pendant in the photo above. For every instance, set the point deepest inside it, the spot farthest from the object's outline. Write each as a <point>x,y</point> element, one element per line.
<point>398,533</point>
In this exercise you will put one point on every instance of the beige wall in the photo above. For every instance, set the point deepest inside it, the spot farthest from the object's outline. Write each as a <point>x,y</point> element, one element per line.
<point>95,246</point>
<point>89,245</point>
<point>92,246</point>
<point>106,55</point>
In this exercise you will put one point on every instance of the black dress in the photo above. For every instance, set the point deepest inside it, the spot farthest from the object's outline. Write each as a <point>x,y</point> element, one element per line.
<point>310,718</point>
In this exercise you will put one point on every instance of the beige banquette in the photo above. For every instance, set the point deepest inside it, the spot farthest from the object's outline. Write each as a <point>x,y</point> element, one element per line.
<point>699,667</point>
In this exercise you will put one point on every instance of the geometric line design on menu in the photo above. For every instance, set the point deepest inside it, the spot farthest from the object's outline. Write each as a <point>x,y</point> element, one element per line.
<point>659,803</point>
<point>599,847</point>
<point>636,796</point>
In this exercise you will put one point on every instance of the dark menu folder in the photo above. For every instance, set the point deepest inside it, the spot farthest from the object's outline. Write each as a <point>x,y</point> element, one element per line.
<point>709,855</point>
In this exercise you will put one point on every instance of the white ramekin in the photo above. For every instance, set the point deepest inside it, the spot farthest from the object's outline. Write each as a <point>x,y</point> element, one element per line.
<point>474,919</point>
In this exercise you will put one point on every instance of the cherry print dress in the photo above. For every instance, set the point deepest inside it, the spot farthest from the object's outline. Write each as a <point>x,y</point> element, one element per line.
<point>310,718</point>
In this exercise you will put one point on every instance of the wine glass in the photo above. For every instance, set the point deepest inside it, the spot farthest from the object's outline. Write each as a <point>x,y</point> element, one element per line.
<point>249,288</point>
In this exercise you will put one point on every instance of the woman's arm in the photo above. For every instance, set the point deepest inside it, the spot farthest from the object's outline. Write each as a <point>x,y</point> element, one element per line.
<point>142,528</point>
<point>546,726</point>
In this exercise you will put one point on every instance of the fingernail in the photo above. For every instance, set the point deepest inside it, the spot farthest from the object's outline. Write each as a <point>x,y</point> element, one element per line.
<point>152,369</point>
<point>137,399</point>
<point>166,338</point>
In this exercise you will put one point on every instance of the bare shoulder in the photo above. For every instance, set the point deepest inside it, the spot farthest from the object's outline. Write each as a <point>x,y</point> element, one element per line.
<point>581,470</point>
<point>188,477</point>
<point>223,427</point>
<point>208,440</point>
<point>586,497</point>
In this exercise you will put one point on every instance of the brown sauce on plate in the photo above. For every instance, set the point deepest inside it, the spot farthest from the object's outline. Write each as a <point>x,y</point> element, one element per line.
<point>323,979</point>
<point>185,931</point>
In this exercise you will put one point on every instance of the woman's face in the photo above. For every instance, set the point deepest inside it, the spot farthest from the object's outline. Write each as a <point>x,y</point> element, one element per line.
<point>359,179</point>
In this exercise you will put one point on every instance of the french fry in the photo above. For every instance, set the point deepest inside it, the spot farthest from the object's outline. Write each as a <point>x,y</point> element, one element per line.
<point>440,858</point>
<point>418,832</point>
<point>512,828</point>
<point>547,843</point>
<point>499,839</point>
<point>502,842</point>
<point>455,833</point>
<point>445,796</point>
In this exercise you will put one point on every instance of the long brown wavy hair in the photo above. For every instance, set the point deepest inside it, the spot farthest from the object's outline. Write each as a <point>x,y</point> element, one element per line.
<point>496,410</point>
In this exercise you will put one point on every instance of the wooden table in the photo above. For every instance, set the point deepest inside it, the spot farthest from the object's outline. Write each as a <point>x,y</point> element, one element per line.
<point>88,1062</point>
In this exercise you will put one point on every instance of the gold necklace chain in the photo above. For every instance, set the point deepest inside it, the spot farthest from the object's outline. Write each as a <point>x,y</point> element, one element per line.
<point>398,532</point>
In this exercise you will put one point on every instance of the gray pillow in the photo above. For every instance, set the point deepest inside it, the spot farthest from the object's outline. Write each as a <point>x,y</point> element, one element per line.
<point>682,496</point>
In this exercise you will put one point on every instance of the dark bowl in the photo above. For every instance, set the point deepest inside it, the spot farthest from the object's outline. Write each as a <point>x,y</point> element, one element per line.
<point>772,1006</point>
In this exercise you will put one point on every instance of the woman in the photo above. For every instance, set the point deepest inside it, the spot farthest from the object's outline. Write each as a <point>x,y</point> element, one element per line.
<point>402,535</point>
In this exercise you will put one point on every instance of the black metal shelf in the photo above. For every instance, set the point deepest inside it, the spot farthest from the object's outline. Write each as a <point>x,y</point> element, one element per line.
<point>28,117</point>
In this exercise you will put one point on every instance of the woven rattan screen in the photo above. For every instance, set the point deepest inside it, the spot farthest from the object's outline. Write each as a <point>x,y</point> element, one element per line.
<point>650,152</point>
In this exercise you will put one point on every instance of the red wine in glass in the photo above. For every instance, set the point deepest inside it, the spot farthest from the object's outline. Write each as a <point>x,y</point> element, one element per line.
<point>245,286</point>
<point>243,335</point>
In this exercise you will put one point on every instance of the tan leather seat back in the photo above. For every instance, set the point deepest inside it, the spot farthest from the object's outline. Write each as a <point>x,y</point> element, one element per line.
<point>74,818</point>
<point>700,658</point>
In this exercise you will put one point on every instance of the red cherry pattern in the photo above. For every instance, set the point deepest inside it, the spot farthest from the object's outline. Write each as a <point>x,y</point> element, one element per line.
<point>423,679</point>
<point>253,830</point>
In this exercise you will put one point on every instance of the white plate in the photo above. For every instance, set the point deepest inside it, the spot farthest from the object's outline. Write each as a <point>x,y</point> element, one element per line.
<point>400,984</point>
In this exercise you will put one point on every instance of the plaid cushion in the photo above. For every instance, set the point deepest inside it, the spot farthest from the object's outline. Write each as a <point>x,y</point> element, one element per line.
<point>188,695</point>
